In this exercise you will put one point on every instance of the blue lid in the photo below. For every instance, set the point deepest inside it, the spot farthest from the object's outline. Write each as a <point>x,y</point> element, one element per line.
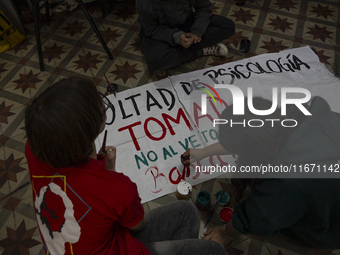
<point>203,198</point>
<point>223,197</point>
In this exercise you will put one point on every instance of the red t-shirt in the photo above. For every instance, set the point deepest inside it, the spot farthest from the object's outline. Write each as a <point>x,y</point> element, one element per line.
<point>86,209</point>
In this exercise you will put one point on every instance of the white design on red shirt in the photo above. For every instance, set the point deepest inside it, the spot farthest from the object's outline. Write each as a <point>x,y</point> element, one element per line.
<point>55,216</point>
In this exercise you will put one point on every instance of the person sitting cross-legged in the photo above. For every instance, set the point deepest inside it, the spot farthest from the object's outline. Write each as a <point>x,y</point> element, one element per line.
<point>176,31</point>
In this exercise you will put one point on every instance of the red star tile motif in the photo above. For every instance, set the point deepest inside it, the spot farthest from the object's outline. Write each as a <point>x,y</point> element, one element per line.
<point>322,11</point>
<point>19,241</point>
<point>58,70</point>
<point>109,35</point>
<point>97,81</point>
<point>236,38</point>
<point>2,68</point>
<point>273,46</point>
<point>258,30</point>
<point>323,58</point>
<point>125,71</point>
<point>250,54</point>
<point>319,33</point>
<point>27,81</point>
<point>53,52</point>
<point>126,11</point>
<point>3,138</point>
<point>286,4</point>
<point>74,28</point>
<point>242,15</point>
<point>23,61</point>
<point>281,24</point>
<point>215,8</point>
<point>29,102</point>
<point>162,75</point>
<point>9,169</point>
<point>137,45</point>
<point>116,52</point>
<point>23,45</point>
<point>93,7</point>
<point>88,61</point>
<point>5,112</point>
<point>219,60</point>
<point>12,203</point>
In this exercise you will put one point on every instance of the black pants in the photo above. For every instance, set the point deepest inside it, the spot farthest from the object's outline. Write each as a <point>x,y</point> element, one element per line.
<point>161,55</point>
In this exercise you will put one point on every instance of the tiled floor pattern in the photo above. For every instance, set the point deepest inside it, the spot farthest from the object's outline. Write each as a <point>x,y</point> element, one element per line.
<point>70,48</point>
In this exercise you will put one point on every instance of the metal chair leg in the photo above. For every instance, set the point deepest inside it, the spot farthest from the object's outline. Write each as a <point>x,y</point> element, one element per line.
<point>37,34</point>
<point>47,8</point>
<point>94,27</point>
<point>105,6</point>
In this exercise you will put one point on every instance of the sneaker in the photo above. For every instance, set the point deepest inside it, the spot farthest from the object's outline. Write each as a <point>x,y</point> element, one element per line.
<point>217,50</point>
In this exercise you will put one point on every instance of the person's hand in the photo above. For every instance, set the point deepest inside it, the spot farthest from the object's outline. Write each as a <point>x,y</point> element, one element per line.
<point>110,157</point>
<point>194,38</point>
<point>217,234</point>
<point>185,42</point>
<point>192,155</point>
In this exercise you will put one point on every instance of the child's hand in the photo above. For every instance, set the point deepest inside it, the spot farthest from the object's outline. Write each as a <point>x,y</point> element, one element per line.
<point>110,156</point>
<point>217,234</point>
<point>193,38</point>
<point>192,155</point>
<point>185,42</point>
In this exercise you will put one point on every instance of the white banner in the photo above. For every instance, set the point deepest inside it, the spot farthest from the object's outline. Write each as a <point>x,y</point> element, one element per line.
<point>155,123</point>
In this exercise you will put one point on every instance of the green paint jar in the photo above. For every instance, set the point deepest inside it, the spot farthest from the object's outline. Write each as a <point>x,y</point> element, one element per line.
<point>203,200</point>
<point>223,197</point>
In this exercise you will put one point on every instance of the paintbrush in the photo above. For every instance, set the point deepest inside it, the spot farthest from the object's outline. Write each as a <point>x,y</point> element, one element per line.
<point>17,189</point>
<point>112,89</point>
<point>104,142</point>
<point>212,212</point>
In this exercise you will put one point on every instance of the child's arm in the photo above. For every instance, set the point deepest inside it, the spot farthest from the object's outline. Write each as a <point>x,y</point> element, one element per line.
<point>203,13</point>
<point>109,154</point>
<point>192,155</point>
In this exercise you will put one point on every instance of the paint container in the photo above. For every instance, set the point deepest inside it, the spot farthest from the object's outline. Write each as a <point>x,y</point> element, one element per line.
<point>245,45</point>
<point>112,88</point>
<point>223,197</point>
<point>203,200</point>
<point>184,190</point>
<point>226,214</point>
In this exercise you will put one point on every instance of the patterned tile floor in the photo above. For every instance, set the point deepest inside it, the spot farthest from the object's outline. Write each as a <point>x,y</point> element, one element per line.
<point>70,47</point>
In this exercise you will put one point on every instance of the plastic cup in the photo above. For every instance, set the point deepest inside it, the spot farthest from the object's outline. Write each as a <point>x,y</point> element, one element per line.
<point>245,45</point>
<point>223,197</point>
<point>112,88</point>
<point>203,200</point>
<point>226,214</point>
<point>184,190</point>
